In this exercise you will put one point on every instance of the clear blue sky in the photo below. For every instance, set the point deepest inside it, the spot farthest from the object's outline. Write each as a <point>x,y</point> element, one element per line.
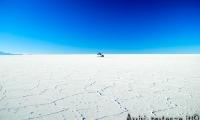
<point>107,26</point>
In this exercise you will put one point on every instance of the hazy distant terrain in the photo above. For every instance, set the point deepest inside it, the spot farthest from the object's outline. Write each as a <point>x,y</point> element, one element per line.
<point>3,53</point>
<point>60,87</point>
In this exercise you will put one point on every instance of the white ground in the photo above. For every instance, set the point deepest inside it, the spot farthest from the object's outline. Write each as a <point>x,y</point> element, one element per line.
<point>88,87</point>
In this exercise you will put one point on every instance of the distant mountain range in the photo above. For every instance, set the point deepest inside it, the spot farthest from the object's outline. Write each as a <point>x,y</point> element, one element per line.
<point>3,53</point>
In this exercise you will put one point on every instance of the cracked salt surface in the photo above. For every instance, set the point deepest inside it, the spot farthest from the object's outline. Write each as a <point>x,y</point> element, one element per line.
<point>66,87</point>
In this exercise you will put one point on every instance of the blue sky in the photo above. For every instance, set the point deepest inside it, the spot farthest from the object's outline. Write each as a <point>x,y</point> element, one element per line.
<point>107,26</point>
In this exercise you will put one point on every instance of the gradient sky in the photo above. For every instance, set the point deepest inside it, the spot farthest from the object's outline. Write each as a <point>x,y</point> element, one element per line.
<point>107,26</point>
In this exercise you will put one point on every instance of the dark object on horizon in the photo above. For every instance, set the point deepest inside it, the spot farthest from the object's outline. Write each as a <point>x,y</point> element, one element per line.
<point>100,55</point>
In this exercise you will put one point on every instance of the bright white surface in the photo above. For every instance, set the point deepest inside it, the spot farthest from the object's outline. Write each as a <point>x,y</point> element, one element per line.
<point>88,87</point>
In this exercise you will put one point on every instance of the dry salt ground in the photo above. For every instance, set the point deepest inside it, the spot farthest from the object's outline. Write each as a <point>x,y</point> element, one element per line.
<point>86,87</point>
